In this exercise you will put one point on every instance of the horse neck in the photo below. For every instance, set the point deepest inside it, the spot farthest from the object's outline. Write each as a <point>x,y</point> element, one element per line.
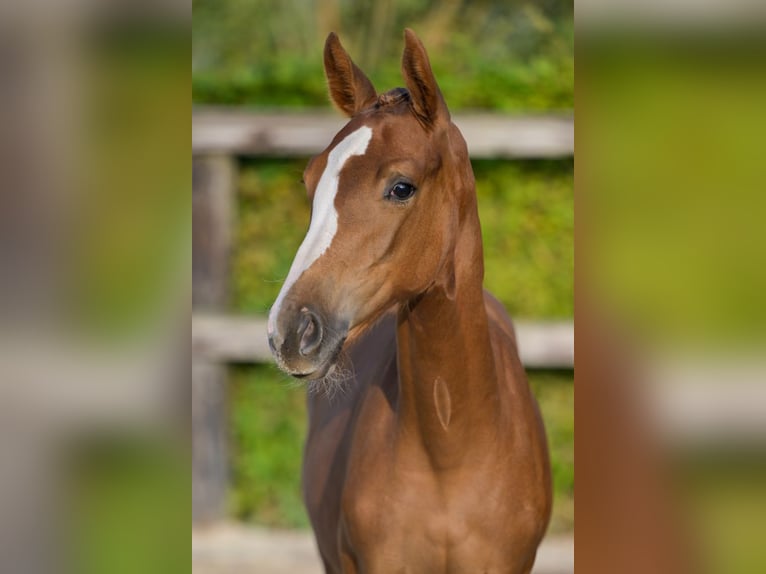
<point>448,394</point>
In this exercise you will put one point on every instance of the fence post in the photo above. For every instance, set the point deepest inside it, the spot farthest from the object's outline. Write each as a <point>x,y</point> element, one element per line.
<point>213,181</point>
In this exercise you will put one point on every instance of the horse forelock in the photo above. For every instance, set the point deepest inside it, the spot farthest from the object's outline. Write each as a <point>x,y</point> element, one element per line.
<point>392,97</point>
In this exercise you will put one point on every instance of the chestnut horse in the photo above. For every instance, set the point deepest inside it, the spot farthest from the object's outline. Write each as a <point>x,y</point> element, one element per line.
<point>434,458</point>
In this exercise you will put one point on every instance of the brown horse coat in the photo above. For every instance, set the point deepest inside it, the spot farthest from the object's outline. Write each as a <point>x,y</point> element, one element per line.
<point>433,456</point>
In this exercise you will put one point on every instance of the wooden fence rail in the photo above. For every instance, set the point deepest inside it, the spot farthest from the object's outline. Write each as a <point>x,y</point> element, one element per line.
<point>237,339</point>
<point>248,133</point>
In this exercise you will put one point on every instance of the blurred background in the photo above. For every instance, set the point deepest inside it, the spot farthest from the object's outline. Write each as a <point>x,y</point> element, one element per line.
<point>95,266</point>
<point>94,286</point>
<point>671,372</point>
<point>260,111</point>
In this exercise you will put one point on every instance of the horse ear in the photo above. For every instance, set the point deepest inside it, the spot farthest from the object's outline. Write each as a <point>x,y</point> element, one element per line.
<point>350,90</point>
<point>427,100</point>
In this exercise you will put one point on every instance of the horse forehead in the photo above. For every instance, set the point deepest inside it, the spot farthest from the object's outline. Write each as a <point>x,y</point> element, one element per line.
<point>336,155</point>
<point>394,137</point>
<point>391,136</point>
<point>388,126</point>
<point>400,126</point>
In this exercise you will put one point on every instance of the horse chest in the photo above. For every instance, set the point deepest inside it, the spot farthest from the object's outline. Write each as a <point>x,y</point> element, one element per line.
<point>398,519</point>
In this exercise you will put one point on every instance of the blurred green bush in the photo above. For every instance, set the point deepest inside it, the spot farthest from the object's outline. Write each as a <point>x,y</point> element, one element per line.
<point>489,54</point>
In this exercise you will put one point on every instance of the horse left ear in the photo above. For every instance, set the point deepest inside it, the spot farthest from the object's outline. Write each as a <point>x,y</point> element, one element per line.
<point>427,100</point>
<point>350,90</point>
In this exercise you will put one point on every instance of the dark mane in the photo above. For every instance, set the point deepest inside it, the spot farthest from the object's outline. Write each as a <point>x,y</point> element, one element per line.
<point>392,97</point>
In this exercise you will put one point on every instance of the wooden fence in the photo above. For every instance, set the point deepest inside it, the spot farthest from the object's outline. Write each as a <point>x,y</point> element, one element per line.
<point>219,131</point>
<point>219,136</point>
<point>219,338</point>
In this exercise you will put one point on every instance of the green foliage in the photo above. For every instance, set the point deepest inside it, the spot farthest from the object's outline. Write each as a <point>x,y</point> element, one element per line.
<point>268,425</point>
<point>527,217</point>
<point>125,512</point>
<point>554,391</point>
<point>273,216</point>
<point>722,492</point>
<point>496,55</point>
<point>675,229</point>
<point>133,179</point>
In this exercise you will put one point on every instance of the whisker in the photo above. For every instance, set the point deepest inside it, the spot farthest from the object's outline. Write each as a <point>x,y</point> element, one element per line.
<point>337,381</point>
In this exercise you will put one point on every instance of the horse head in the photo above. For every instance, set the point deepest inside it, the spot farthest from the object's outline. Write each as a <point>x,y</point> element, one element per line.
<point>388,196</point>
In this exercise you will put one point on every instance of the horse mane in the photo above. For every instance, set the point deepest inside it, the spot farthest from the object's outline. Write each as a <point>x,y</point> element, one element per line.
<point>392,97</point>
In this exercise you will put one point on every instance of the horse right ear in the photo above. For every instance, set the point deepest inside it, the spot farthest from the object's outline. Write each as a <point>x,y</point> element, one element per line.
<point>425,95</point>
<point>350,90</point>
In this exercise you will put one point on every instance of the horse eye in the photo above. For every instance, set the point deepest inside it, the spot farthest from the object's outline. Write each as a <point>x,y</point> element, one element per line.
<point>401,191</point>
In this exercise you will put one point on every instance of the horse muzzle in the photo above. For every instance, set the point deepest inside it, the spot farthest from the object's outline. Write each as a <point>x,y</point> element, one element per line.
<point>305,344</point>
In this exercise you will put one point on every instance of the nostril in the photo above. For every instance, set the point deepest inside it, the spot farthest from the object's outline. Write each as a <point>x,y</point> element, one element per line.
<point>309,333</point>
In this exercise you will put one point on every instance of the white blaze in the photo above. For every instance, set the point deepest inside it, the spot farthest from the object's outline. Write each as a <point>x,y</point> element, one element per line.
<point>324,217</point>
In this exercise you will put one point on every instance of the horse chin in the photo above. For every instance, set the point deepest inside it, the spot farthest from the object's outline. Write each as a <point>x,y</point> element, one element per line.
<point>317,374</point>
<point>324,369</point>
